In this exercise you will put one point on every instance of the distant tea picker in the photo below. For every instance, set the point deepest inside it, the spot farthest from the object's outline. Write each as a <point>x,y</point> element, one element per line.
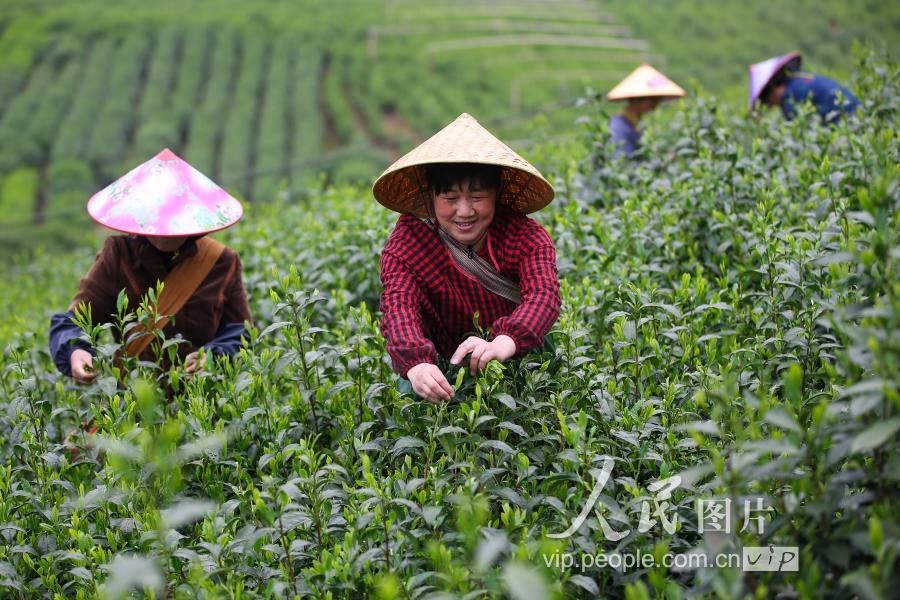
<point>778,81</point>
<point>643,89</point>
<point>166,208</point>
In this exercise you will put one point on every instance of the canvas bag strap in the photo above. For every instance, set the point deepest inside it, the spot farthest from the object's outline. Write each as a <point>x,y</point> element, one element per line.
<point>179,285</point>
<point>479,268</point>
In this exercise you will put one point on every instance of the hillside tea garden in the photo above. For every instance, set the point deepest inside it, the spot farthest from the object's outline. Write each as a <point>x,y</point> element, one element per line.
<point>723,377</point>
<point>730,325</point>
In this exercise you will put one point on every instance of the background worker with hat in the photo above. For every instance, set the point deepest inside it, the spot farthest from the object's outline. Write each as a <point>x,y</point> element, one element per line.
<point>463,250</point>
<point>167,207</point>
<point>779,81</point>
<point>644,89</point>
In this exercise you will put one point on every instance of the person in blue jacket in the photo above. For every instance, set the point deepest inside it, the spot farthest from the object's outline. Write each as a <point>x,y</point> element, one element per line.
<point>623,126</point>
<point>779,82</point>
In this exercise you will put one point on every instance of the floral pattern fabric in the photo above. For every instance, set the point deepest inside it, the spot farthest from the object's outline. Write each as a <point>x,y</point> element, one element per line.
<point>164,196</point>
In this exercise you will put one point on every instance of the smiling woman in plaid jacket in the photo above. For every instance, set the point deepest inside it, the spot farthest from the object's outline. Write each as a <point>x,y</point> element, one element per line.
<point>464,254</point>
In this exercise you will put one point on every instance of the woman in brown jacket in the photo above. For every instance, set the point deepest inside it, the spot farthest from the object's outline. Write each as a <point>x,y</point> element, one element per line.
<point>167,207</point>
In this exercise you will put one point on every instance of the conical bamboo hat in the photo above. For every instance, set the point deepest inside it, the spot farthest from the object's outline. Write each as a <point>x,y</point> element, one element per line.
<point>761,73</point>
<point>403,187</point>
<point>164,196</point>
<point>645,82</point>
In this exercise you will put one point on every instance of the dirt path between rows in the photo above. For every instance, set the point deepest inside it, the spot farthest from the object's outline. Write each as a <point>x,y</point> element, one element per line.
<point>330,139</point>
<point>396,126</point>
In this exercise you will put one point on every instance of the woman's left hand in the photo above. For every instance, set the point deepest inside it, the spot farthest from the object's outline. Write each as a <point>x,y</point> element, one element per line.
<point>482,352</point>
<point>195,361</point>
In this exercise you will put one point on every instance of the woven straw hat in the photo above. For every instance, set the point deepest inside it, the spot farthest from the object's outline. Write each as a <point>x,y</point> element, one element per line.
<point>761,73</point>
<point>164,196</point>
<point>645,82</point>
<point>403,187</point>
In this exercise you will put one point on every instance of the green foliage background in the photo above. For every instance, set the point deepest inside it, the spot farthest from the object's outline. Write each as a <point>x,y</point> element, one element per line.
<point>714,42</point>
<point>271,99</point>
<point>731,309</point>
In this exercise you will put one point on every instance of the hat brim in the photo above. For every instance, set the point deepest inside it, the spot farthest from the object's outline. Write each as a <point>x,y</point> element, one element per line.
<point>406,190</point>
<point>143,230</point>
<point>656,96</point>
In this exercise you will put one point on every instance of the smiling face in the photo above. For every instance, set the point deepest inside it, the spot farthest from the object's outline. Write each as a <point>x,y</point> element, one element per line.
<point>464,198</point>
<point>465,210</point>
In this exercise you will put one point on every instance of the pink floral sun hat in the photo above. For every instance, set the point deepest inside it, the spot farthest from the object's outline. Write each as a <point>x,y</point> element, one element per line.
<point>762,73</point>
<point>164,196</point>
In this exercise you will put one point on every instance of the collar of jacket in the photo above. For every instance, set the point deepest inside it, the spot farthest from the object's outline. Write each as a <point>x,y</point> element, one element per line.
<point>160,263</point>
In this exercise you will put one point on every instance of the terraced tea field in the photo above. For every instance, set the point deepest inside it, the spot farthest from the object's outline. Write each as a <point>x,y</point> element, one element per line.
<point>727,338</point>
<point>264,99</point>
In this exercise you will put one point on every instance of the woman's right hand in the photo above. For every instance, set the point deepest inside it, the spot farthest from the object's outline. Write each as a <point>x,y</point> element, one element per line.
<point>429,382</point>
<point>82,363</point>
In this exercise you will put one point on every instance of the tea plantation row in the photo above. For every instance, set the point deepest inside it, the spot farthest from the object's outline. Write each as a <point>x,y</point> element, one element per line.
<point>272,98</point>
<point>265,98</point>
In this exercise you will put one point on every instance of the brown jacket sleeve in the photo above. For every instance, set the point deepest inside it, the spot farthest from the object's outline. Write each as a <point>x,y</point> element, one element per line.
<point>236,308</point>
<point>101,285</point>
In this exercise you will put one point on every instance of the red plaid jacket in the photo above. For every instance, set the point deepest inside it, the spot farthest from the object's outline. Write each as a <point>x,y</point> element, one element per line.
<point>429,303</point>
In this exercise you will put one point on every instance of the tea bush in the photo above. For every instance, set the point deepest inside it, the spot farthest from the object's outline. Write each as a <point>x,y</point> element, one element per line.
<point>729,334</point>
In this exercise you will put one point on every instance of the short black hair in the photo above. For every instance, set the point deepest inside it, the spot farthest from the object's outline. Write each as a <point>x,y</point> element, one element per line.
<point>442,177</point>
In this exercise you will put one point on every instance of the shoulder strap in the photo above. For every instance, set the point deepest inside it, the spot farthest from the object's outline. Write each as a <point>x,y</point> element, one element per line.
<point>179,285</point>
<point>479,268</point>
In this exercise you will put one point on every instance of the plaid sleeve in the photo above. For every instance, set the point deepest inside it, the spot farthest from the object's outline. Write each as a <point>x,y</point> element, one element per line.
<point>401,322</point>
<point>539,285</point>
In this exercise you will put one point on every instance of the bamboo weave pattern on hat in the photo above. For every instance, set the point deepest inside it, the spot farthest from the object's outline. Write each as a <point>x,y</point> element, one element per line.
<point>164,196</point>
<point>403,188</point>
